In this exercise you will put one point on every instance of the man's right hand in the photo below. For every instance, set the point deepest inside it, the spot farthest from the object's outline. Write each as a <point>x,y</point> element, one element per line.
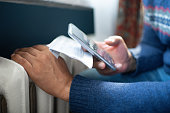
<point>117,49</point>
<point>49,73</point>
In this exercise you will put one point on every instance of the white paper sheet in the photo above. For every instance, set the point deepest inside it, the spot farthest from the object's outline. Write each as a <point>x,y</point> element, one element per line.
<point>70,48</point>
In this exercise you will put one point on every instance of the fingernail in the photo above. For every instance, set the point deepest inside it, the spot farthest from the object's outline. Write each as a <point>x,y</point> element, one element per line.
<point>110,40</point>
<point>118,66</point>
<point>101,65</point>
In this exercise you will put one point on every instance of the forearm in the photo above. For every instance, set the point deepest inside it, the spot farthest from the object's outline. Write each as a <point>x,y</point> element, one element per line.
<point>97,96</point>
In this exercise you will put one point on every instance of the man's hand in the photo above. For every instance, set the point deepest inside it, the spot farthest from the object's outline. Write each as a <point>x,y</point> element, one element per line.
<point>117,49</point>
<point>49,73</point>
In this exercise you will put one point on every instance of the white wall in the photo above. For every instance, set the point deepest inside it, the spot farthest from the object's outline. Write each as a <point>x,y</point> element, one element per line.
<point>105,17</point>
<point>105,14</point>
<point>85,3</point>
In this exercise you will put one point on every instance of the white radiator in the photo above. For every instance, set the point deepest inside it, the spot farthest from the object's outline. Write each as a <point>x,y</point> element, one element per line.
<point>20,95</point>
<point>14,87</point>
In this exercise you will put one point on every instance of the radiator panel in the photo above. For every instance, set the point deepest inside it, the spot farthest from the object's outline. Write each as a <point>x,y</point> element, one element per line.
<point>3,104</point>
<point>14,86</point>
<point>23,96</point>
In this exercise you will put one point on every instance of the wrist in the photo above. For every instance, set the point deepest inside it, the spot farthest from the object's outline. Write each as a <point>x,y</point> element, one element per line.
<point>131,64</point>
<point>66,92</point>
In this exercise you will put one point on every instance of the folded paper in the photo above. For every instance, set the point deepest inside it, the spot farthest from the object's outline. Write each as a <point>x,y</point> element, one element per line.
<point>70,48</point>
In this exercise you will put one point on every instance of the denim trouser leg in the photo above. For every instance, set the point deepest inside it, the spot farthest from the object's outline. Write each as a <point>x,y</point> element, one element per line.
<point>155,75</point>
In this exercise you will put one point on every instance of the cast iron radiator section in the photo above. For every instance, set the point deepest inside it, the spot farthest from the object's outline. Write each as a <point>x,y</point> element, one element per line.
<point>3,104</point>
<point>18,94</point>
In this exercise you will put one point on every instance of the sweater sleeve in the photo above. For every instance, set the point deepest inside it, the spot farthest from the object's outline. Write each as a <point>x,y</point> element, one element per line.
<point>92,96</point>
<point>149,53</point>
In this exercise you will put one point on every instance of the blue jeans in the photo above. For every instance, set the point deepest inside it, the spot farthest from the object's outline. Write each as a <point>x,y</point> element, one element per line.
<point>155,75</point>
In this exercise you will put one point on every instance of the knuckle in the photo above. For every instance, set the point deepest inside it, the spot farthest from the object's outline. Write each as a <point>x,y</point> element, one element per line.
<point>44,57</point>
<point>40,46</point>
<point>22,61</point>
<point>21,49</point>
<point>119,37</point>
<point>116,37</point>
<point>13,57</point>
<point>17,50</point>
<point>18,59</point>
<point>25,54</point>
<point>35,46</point>
<point>29,49</point>
<point>26,48</point>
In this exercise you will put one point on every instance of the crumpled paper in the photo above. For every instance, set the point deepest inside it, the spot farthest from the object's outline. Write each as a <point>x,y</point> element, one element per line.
<point>71,48</point>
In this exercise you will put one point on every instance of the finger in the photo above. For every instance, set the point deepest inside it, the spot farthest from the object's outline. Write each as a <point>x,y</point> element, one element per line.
<point>101,44</point>
<point>113,41</point>
<point>118,66</point>
<point>16,50</point>
<point>40,47</point>
<point>106,71</point>
<point>84,49</point>
<point>26,56</point>
<point>30,50</point>
<point>99,65</point>
<point>22,61</point>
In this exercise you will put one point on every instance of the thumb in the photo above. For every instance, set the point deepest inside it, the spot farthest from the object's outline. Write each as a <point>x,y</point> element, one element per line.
<point>113,41</point>
<point>99,65</point>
